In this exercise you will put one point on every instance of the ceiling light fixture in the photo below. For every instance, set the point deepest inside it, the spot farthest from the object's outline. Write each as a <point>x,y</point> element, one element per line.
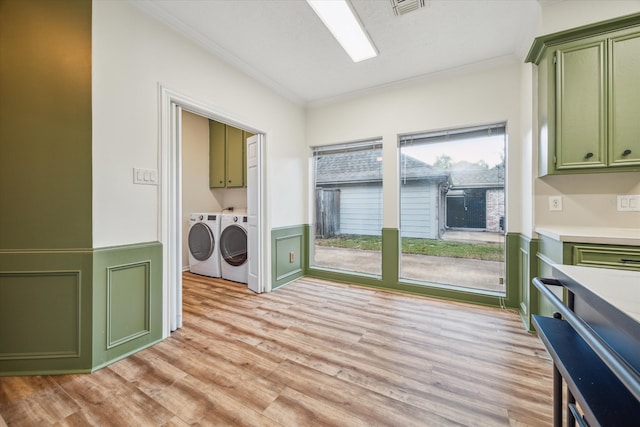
<point>341,20</point>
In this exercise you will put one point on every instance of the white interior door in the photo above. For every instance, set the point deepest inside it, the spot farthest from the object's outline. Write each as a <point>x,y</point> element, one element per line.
<point>254,147</point>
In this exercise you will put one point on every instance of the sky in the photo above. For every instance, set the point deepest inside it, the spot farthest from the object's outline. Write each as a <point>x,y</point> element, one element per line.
<point>490,149</point>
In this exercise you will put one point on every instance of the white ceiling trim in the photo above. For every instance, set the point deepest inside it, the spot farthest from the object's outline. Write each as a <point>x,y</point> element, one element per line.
<point>282,45</point>
<point>475,67</point>
<point>151,8</point>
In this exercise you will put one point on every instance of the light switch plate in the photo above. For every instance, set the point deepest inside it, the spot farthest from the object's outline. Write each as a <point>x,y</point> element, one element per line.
<point>145,176</point>
<point>628,203</point>
<point>555,203</point>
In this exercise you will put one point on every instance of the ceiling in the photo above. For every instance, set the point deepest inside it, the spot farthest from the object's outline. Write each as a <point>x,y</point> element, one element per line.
<point>283,44</point>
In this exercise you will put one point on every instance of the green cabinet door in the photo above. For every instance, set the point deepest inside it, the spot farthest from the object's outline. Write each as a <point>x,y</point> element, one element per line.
<point>589,98</point>
<point>581,105</point>
<point>624,100</point>
<point>235,157</point>
<point>217,138</point>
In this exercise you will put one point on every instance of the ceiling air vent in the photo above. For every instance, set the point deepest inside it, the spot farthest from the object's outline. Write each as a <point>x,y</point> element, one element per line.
<point>402,7</point>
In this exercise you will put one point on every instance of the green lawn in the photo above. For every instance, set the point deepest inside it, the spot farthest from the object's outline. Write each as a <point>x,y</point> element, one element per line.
<point>483,251</point>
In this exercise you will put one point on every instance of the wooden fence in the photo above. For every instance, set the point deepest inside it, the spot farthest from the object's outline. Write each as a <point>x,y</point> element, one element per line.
<point>327,213</point>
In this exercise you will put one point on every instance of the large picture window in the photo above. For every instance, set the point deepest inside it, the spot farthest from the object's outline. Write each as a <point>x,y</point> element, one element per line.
<point>452,207</point>
<point>348,207</point>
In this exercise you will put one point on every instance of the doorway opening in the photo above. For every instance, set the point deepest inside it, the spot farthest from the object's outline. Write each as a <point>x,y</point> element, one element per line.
<point>452,208</point>
<point>170,199</point>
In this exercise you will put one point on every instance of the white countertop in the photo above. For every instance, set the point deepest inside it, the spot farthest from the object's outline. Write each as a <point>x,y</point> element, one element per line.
<point>596,235</point>
<point>620,288</point>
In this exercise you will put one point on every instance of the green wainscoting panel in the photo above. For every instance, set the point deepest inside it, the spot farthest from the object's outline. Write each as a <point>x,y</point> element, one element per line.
<point>45,125</point>
<point>45,312</point>
<point>512,264</point>
<point>54,305</point>
<point>127,300</point>
<point>288,254</point>
<point>522,262</point>
<point>390,255</point>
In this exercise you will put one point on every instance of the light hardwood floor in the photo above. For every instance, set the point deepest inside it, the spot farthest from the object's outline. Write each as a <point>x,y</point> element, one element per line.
<point>313,353</point>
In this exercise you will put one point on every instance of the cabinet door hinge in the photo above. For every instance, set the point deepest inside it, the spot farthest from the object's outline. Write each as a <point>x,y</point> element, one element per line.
<point>555,160</point>
<point>555,58</point>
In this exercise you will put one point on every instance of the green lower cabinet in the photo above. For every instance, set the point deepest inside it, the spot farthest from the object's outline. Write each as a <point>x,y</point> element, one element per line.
<point>552,251</point>
<point>606,256</point>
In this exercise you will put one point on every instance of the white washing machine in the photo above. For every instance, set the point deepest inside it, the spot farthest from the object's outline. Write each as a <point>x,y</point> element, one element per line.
<point>204,244</point>
<point>233,248</point>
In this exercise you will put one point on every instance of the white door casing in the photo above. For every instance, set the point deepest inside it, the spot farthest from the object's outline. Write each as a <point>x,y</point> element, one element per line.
<point>170,199</point>
<point>175,201</point>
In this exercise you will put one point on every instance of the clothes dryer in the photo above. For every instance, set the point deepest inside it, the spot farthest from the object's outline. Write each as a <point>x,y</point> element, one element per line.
<point>204,246</point>
<point>233,248</point>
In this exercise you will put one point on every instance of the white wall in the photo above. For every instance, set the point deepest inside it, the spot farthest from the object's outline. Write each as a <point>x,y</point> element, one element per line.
<point>588,199</point>
<point>528,134</point>
<point>488,94</point>
<point>132,54</point>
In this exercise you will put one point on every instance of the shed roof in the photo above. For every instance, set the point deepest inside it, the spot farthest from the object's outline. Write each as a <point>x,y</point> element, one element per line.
<point>366,166</point>
<point>472,175</point>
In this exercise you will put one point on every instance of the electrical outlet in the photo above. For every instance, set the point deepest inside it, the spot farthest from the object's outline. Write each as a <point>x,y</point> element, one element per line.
<point>555,203</point>
<point>628,203</point>
<point>292,257</point>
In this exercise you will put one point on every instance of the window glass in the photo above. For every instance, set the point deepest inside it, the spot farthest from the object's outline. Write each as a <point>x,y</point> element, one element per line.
<point>452,208</point>
<point>348,207</point>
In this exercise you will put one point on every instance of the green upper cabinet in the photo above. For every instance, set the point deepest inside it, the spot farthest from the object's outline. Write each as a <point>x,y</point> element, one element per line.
<point>226,156</point>
<point>624,100</point>
<point>589,98</point>
<point>217,142</point>
<point>235,158</point>
<point>580,106</point>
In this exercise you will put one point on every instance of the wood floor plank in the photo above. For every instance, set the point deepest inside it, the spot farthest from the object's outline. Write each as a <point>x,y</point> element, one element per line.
<point>310,353</point>
<point>293,408</point>
<point>44,407</point>
<point>107,399</point>
<point>371,407</point>
<point>148,373</point>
